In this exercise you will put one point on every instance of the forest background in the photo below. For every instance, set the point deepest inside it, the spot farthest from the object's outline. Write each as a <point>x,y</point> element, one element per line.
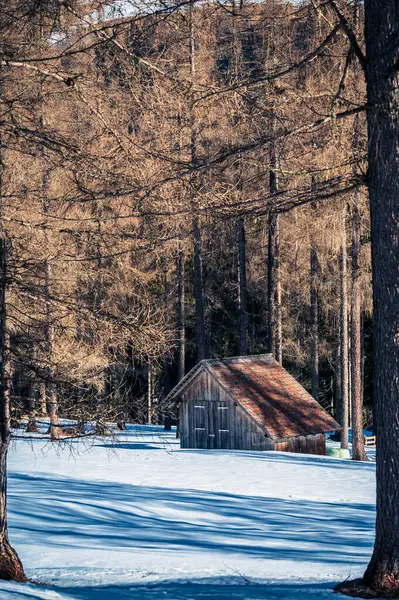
<point>184,182</point>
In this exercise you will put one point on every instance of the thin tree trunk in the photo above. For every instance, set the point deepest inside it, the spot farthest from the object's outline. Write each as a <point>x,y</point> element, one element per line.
<point>166,362</point>
<point>198,279</point>
<point>181,321</point>
<point>42,399</point>
<point>166,366</point>
<point>382,34</point>
<point>338,383</point>
<point>10,565</point>
<point>363,360</point>
<point>252,332</point>
<point>31,426</point>
<point>241,238</point>
<point>50,385</point>
<point>271,292</point>
<point>358,451</point>
<point>199,293</point>
<point>149,395</point>
<point>274,187</point>
<point>51,388</point>
<point>314,320</point>
<point>349,370</point>
<point>274,324</point>
<point>242,288</point>
<point>52,403</point>
<point>181,324</point>
<point>278,350</point>
<point>344,335</point>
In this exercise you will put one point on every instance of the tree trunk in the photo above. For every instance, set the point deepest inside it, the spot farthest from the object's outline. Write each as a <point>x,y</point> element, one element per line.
<point>166,383</point>
<point>198,280</point>
<point>181,324</point>
<point>51,388</point>
<point>274,325</point>
<point>31,426</point>
<point>358,451</point>
<point>271,291</point>
<point>344,335</point>
<point>242,288</point>
<point>149,395</point>
<point>314,320</point>
<point>10,565</point>
<point>52,403</point>
<point>42,399</point>
<point>382,34</point>
<point>166,365</point>
<point>278,347</point>
<point>199,294</point>
<point>338,393</point>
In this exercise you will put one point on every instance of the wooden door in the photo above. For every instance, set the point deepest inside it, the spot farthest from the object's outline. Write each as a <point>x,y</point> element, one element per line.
<point>222,420</point>
<point>200,424</point>
<point>211,424</point>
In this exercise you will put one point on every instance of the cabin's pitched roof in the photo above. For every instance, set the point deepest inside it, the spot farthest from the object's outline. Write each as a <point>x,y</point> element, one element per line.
<point>268,393</point>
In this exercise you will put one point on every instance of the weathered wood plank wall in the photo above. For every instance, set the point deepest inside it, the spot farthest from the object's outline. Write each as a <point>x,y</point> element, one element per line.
<point>211,419</point>
<point>311,444</point>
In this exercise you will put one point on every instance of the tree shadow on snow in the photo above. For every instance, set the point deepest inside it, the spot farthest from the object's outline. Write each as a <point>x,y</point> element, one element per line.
<point>204,589</point>
<point>310,460</point>
<point>104,515</point>
<point>131,446</point>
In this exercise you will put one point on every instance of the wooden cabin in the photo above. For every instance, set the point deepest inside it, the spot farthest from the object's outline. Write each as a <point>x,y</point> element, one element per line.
<point>249,403</point>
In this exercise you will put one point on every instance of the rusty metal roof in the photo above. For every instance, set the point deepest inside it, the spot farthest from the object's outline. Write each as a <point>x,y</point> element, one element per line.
<point>268,393</point>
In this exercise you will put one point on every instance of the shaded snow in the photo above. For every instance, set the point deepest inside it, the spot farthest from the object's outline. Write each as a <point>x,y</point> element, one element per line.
<point>141,518</point>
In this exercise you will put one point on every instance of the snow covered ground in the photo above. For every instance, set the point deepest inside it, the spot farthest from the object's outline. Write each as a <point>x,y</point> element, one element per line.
<point>139,518</point>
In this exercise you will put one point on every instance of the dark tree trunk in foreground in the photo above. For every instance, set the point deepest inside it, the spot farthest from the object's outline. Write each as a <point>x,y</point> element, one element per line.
<point>382,35</point>
<point>10,565</point>
<point>242,288</point>
<point>314,319</point>
<point>344,412</point>
<point>358,451</point>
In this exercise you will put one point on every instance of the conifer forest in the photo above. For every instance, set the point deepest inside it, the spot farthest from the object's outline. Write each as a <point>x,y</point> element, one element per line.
<point>186,181</point>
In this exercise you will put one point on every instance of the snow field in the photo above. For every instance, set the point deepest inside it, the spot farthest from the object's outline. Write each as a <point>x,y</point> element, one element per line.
<point>137,517</point>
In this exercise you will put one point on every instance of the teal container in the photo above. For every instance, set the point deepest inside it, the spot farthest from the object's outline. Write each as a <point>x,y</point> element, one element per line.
<point>333,452</point>
<point>337,453</point>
